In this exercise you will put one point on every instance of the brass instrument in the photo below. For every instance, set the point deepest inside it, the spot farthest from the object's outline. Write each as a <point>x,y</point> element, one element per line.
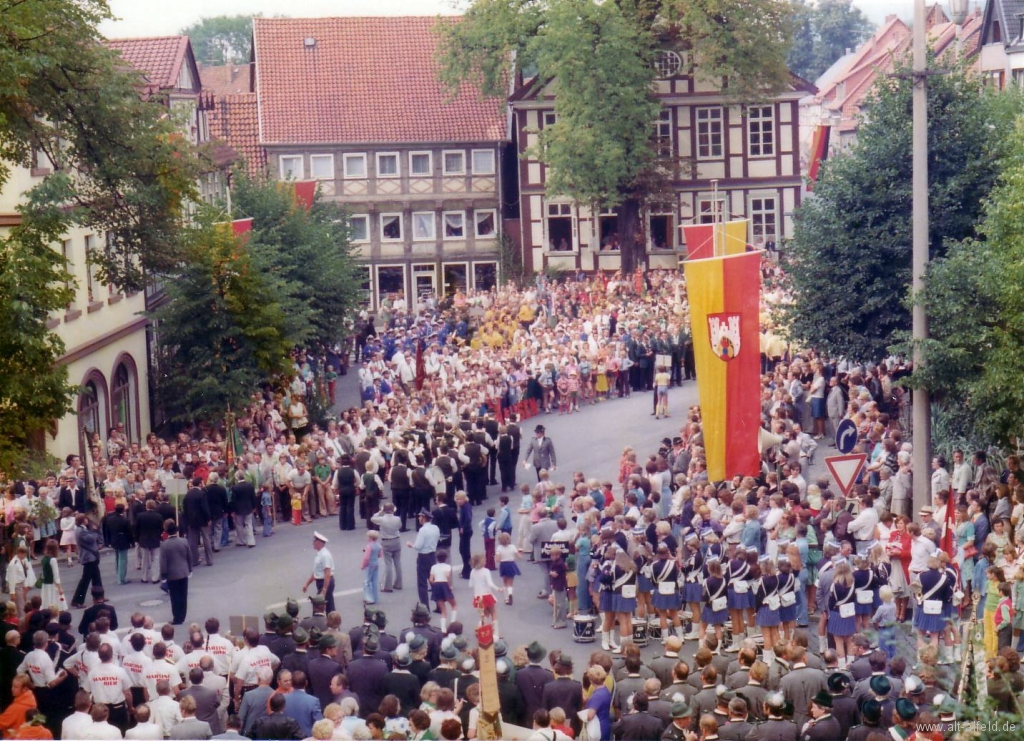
<point>968,648</point>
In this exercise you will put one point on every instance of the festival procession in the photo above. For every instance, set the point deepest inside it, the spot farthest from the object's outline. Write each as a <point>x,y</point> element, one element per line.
<point>536,372</point>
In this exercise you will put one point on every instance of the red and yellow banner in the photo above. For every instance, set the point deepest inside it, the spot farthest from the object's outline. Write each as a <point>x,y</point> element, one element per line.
<point>724,295</point>
<point>711,240</point>
<point>819,151</point>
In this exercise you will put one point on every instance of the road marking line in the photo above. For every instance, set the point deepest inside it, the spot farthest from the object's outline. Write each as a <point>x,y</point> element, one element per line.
<point>343,593</point>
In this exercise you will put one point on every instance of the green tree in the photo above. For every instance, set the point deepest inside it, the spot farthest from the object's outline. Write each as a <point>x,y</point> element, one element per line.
<point>310,252</point>
<point>599,56</point>
<point>849,261</point>
<point>221,39</point>
<point>974,359</point>
<point>822,34</point>
<point>223,329</point>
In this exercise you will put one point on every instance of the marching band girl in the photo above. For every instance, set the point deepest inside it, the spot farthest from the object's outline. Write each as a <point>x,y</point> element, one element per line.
<point>768,603</point>
<point>716,602</point>
<point>740,599</point>
<point>624,590</point>
<point>842,610</point>
<point>693,585</point>
<point>667,597</point>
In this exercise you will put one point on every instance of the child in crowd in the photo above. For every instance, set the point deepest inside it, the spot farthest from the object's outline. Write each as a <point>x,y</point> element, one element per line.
<point>67,533</point>
<point>267,507</point>
<point>1004,616</point>
<point>884,621</point>
<point>507,568</point>
<point>483,587</point>
<point>441,588</point>
<point>371,568</point>
<point>489,527</point>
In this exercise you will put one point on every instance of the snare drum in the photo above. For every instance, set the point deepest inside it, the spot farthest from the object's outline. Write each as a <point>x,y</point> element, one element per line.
<point>640,637</point>
<point>654,631</point>
<point>583,628</point>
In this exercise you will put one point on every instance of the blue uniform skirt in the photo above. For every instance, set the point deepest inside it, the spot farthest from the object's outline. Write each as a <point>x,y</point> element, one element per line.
<point>767,617</point>
<point>643,584</point>
<point>868,609</point>
<point>508,570</point>
<point>693,592</point>
<point>710,617</point>
<point>441,592</point>
<point>841,626</point>
<point>606,604</point>
<point>787,614</point>
<point>622,604</point>
<point>928,623</point>
<point>740,601</point>
<point>666,601</point>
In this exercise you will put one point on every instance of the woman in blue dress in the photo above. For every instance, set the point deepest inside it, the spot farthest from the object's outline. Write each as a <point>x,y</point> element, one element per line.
<point>644,585</point>
<point>737,574</point>
<point>716,603</point>
<point>788,586</point>
<point>863,592</point>
<point>768,603</point>
<point>624,586</point>
<point>584,604</point>
<point>693,582</point>
<point>599,704</point>
<point>842,610</point>
<point>667,599</point>
<point>936,589</point>
<point>604,556</point>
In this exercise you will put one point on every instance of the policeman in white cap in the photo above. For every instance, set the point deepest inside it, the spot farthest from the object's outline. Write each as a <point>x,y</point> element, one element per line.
<point>323,571</point>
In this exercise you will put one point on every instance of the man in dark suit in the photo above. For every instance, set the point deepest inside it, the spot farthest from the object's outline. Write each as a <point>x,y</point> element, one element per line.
<point>119,535</point>
<point>217,501</point>
<point>98,608</point>
<point>542,449</point>
<point>531,679</point>
<point>243,501</point>
<point>322,668</point>
<point>165,509</point>
<point>366,674</point>
<point>176,566</point>
<point>277,724</point>
<point>196,510</point>
<point>512,427</point>
<point>639,725</point>
<point>565,692</point>
<point>491,428</point>
<point>207,700</point>
<point>149,528</point>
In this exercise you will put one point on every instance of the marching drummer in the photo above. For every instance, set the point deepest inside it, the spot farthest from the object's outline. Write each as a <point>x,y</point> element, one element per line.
<point>667,599</point>
<point>624,578</point>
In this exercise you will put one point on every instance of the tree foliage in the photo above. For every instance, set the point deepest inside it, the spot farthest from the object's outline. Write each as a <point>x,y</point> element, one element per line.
<point>822,34</point>
<point>119,165</point>
<point>849,263</point>
<point>221,39</point>
<point>974,359</point>
<point>599,58</point>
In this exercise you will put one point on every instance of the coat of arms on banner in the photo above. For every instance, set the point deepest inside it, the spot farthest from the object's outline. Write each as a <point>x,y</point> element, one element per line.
<point>724,333</point>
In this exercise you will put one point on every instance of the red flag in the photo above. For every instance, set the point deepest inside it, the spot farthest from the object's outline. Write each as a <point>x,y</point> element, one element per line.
<point>700,241</point>
<point>305,193</point>
<point>241,226</point>
<point>421,368</point>
<point>819,151</point>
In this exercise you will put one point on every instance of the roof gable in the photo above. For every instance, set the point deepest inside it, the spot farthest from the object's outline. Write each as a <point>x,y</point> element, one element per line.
<point>162,59</point>
<point>335,80</point>
<point>227,79</point>
<point>233,120</point>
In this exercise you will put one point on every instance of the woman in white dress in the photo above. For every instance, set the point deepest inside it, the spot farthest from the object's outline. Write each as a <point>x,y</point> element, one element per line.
<point>53,591</point>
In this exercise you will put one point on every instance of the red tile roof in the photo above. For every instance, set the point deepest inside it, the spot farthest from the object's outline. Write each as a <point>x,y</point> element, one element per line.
<point>233,120</point>
<point>159,58</point>
<point>226,79</point>
<point>363,80</point>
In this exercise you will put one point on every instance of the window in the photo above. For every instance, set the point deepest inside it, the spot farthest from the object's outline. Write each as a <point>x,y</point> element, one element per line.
<point>550,118</point>
<point>360,227</point>
<point>761,130</point>
<point>454,163</point>
<point>90,406</point>
<point>90,269</point>
<point>711,210</point>
<point>663,133</point>
<point>387,165</point>
<point>121,395</point>
<point>321,166</point>
<point>560,227</point>
<point>608,228</point>
<point>485,275</point>
<point>456,277</point>
<point>355,166</point>
<point>763,219</point>
<point>454,225</point>
<point>486,223</point>
<point>391,227</point>
<point>483,161</point>
<point>65,251</point>
<point>659,232</point>
<point>365,292</point>
<point>423,226</point>
<point>291,167</point>
<point>390,281</point>
<point>709,133</point>
<point>421,164</point>
<point>667,64</point>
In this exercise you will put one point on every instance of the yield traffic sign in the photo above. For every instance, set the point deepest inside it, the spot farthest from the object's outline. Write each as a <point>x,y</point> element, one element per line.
<point>845,469</point>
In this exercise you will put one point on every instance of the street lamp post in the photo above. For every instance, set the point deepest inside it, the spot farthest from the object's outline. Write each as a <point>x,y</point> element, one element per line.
<point>921,401</point>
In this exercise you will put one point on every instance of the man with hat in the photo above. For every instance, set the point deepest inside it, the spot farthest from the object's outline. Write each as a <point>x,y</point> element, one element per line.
<point>870,721</point>
<point>903,716</point>
<point>322,668</point>
<point>366,675</point>
<point>844,707</point>
<point>401,682</point>
<point>284,644</point>
<point>564,691</point>
<point>542,450</point>
<point>880,690</point>
<point>531,679</point>
<point>323,571</point>
<point>682,720</point>
<point>270,620</point>
<point>822,726</point>
<point>425,546</point>
<point>421,626</point>
<point>737,727</point>
<point>298,660</point>
<point>446,673</point>
<point>511,702</point>
<point>776,727</point>
<point>319,617</point>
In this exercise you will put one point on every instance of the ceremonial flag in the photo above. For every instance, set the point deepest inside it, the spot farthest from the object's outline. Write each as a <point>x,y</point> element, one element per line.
<point>302,192</point>
<point>819,151</point>
<point>724,295</point>
<point>421,368</point>
<point>948,540</point>
<point>241,226</point>
<point>714,240</point>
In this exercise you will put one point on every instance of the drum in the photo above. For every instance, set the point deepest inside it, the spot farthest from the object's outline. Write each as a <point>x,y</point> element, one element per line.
<point>640,637</point>
<point>583,628</point>
<point>654,631</point>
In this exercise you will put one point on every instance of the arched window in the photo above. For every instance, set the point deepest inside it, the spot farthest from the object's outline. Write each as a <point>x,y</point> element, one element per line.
<point>122,395</point>
<point>89,409</point>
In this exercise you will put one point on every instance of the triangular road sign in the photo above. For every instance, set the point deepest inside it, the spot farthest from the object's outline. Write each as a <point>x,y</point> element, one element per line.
<point>845,469</point>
